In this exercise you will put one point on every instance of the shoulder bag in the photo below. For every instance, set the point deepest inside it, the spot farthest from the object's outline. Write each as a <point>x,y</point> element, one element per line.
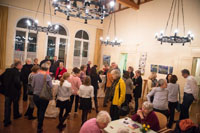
<point>46,92</point>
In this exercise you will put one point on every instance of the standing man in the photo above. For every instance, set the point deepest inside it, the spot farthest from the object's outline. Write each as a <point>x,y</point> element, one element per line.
<point>55,65</point>
<point>26,70</point>
<point>137,81</point>
<point>190,93</point>
<point>11,83</point>
<point>88,68</point>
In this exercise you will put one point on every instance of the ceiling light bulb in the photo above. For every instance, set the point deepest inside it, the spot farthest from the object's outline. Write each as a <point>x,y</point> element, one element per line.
<point>107,38</point>
<point>176,31</point>
<point>101,38</point>
<point>189,32</point>
<point>49,23</point>
<point>116,39</point>
<point>68,6</point>
<point>112,4</point>
<point>162,32</point>
<point>54,0</point>
<point>36,21</point>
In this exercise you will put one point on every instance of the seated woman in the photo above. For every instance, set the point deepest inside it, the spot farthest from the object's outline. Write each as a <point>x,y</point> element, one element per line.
<point>146,115</point>
<point>60,71</point>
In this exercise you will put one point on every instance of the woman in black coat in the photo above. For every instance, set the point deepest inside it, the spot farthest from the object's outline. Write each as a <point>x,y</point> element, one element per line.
<point>94,82</point>
<point>137,80</point>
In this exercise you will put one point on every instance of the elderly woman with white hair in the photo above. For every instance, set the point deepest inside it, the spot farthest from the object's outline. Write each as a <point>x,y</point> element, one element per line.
<point>160,94</point>
<point>118,93</point>
<point>26,70</point>
<point>146,115</point>
<point>96,125</point>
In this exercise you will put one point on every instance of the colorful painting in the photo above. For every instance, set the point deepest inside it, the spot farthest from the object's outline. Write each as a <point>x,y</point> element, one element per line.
<point>106,59</point>
<point>170,70</point>
<point>154,68</point>
<point>163,69</point>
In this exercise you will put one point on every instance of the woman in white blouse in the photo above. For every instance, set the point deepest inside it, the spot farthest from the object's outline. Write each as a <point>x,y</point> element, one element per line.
<point>173,89</point>
<point>86,93</point>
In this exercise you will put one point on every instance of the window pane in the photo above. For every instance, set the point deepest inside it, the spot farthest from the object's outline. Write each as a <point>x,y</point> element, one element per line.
<point>85,35</point>
<point>20,40</point>
<point>51,46</point>
<point>85,53</point>
<point>22,22</point>
<point>62,45</point>
<point>79,34</point>
<point>85,45</point>
<point>32,40</point>
<point>62,31</point>
<point>77,45</point>
<point>77,52</point>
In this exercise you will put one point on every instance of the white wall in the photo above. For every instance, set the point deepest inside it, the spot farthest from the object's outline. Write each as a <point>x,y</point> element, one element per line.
<point>137,29</point>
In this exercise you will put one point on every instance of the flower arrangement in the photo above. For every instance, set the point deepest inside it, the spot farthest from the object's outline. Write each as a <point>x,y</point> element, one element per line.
<point>145,128</point>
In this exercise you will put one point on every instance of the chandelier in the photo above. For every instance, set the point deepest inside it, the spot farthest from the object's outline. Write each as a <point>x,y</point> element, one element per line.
<point>175,38</point>
<point>115,41</point>
<point>33,25</point>
<point>84,9</point>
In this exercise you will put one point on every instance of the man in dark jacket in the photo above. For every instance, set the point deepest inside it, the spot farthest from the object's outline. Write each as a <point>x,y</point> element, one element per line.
<point>54,65</point>
<point>137,80</point>
<point>26,70</point>
<point>88,68</point>
<point>11,83</point>
<point>47,58</point>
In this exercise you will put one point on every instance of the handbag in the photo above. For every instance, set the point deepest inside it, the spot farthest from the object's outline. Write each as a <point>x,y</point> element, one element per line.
<point>178,106</point>
<point>46,92</point>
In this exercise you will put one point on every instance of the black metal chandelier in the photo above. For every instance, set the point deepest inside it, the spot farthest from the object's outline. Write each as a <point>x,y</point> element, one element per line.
<point>84,9</point>
<point>115,41</point>
<point>33,25</point>
<point>175,38</point>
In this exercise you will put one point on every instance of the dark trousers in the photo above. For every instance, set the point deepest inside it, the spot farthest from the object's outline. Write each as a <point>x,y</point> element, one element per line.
<point>25,95</point>
<point>164,112</point>
<point>107,96</point>
<point>95,99</point>
<point>172,106</point>
<point>41,105</point>
<point>7,108</point>
<point>187,101</point>
<point>114,112</point>
<point>62,117</point>
<point>84,116</point>
<point>136,104</point>
<point>76,102</point>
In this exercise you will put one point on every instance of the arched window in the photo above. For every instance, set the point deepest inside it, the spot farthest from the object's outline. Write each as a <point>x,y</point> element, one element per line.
<point>57,44</point>
<point>25,41</point>
<point>81,47</point>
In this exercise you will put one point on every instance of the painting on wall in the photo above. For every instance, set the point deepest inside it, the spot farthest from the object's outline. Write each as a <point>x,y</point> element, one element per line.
<point>106,59</point>
<point>170,70</point>
<point>154,68</point>
<point>163,69</point>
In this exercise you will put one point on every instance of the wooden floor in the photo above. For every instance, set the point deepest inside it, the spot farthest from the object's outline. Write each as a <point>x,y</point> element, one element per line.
<point>23,125</point>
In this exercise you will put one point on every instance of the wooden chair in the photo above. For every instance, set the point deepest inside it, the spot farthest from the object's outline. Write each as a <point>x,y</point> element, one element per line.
<point>162,122</point>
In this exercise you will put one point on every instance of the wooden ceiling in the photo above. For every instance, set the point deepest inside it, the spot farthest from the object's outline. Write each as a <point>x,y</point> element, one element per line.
<point>125,4</point>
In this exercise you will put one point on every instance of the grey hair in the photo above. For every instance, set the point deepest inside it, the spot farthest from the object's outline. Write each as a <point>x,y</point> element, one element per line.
<point>147,105</point>
<point>45,66</point>
<point>116,72</point>
<point>28,59</point>
<point>161,82</point>
<point>103,117</point>
<point>138,71</point>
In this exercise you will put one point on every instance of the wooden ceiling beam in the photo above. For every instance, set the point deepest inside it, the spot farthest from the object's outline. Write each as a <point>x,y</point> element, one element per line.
<point>120,10</point>
<point>129,3</point>
<point>145,1</point>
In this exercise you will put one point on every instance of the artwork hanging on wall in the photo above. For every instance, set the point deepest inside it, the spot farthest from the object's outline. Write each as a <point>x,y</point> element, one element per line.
<point>106,59</point>
<point>163,69</point>
<point>142,62</point>
<point>154,68</point>
<point>170,70</point>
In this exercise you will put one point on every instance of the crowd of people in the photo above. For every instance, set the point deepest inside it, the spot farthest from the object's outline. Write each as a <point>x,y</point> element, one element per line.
<point>81,86</point>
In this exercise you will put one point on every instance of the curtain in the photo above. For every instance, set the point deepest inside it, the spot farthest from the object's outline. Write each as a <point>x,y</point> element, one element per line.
<point>3,34</point>
<point>123,61</point>
<point>97,52</point>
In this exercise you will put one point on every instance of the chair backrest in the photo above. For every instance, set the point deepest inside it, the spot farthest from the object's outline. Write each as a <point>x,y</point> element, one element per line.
<point>162,120</point>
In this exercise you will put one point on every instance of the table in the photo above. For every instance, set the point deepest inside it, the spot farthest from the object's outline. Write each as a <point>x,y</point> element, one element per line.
<point>52,111</point>
<point>114,126</point>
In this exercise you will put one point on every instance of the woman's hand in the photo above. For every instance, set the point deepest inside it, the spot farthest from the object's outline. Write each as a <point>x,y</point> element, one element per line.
<point>139,112</point>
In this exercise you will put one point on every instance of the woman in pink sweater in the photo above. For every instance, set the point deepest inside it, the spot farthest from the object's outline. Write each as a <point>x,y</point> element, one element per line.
<point>76,83</point>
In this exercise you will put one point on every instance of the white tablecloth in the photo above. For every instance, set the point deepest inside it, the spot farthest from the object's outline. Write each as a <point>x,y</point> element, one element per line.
<point>52,111</point>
